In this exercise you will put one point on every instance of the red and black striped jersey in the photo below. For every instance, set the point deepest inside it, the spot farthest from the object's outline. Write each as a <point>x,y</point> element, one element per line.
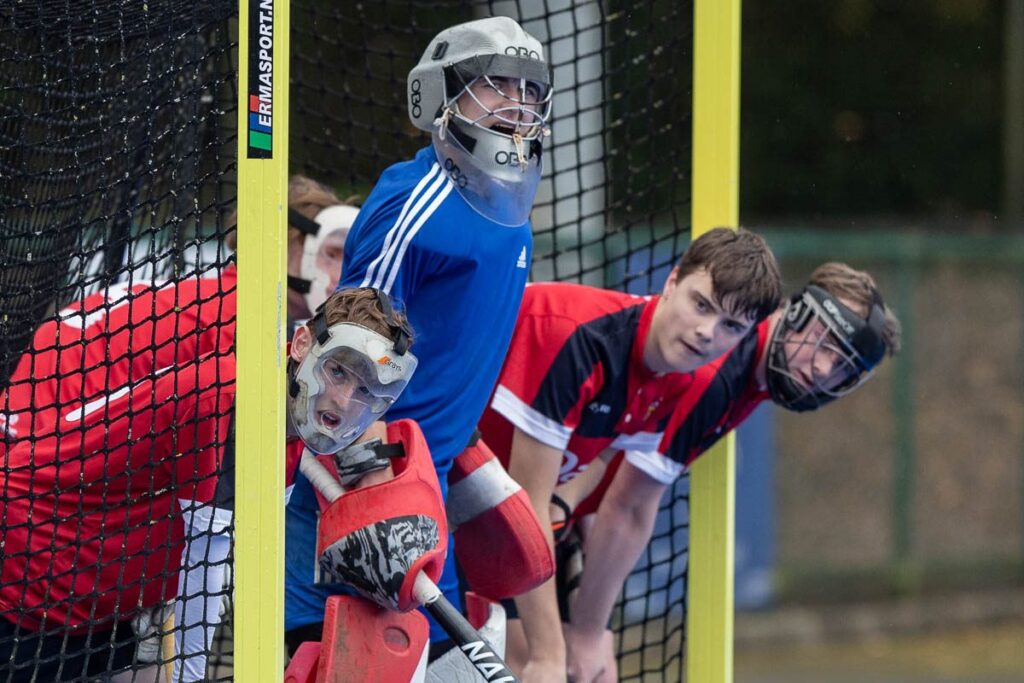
<point>721,396</point>
<point>575,379</point>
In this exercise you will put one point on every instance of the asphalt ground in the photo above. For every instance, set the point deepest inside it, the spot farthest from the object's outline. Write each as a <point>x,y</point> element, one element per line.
<point>976,654</point>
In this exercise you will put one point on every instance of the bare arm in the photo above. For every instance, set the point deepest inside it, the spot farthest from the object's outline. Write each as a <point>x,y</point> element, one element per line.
<point>577,489</point>
<point>622,529</point>
<point>535,466</point>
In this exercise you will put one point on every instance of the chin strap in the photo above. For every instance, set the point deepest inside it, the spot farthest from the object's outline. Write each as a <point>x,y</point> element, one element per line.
<point>517,140</point>
<point>442,122</point>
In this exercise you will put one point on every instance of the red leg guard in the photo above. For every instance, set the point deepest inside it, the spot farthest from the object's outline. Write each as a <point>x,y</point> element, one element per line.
<point>498,538</point>
<point>303,666</point>
<point>362,643</point>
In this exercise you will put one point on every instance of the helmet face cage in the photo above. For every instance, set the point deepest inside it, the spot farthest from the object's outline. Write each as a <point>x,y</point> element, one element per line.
<point>816,332</point>
<point>522,83</point>
<point>347,398</point>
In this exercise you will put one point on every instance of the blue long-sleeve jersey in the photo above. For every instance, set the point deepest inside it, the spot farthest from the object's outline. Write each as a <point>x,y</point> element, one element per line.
<point>460,278</point>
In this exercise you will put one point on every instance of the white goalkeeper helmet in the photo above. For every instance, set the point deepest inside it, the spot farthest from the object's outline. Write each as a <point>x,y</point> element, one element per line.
<point>348,379</point>
<point>321,270</point>
<point>483,91</point>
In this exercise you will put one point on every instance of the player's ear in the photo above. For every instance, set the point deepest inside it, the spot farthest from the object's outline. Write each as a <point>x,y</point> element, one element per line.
<point>670,282</point>
<point>302,341</point>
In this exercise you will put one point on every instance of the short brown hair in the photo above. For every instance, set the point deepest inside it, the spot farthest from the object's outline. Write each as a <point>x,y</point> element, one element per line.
<point>361,306</point>
<point>858,287</point>
<point>743,270</point>
<point>305,195</point>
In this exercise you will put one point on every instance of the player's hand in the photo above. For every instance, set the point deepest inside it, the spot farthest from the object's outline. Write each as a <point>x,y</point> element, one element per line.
<point>376,430</point>
<point>537,671</point>
<point>590,658</point>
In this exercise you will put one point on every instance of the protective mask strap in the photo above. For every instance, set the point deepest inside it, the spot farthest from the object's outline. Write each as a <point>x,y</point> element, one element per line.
<point>306,226</point>
<point>299,284</point>
<point>403,335</point>
<point>360,459</point>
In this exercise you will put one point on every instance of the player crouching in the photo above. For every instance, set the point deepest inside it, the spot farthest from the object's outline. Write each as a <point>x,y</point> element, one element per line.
<point>112,467</point>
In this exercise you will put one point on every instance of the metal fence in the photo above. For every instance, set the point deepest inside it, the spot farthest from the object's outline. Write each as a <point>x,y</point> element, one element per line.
<point>916,481</point>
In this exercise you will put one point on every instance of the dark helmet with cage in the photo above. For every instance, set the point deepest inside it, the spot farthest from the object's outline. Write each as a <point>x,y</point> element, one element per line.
<point>821,349</point>
<point>490,149</point>
<point>348,379</point>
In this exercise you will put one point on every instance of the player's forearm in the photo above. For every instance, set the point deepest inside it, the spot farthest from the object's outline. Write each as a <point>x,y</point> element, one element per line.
<point>538,609</point>
<point>577,489</point>
<point>612,548</point>
<point>542,625</point>
<point>535,466</point>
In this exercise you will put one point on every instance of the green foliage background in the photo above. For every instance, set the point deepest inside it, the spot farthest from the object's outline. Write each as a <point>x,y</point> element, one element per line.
<point>860,107</point>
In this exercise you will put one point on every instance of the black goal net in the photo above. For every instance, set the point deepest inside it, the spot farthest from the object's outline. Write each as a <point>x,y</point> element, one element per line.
<point>117,187</point>
<point>116,323</point>
<point>613,209</point>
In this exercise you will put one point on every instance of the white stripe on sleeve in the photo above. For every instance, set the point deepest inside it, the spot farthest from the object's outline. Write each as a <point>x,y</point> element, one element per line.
<point>655,465</point>
<point>412,233</point>
<point>541,427</point>
<point>421,194</point>
<point>641,441</point>
<point>392,233</point>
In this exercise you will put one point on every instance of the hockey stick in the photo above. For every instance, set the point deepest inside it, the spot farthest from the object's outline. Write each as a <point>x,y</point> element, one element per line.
<point>477,650</point>
<point>167,653</point>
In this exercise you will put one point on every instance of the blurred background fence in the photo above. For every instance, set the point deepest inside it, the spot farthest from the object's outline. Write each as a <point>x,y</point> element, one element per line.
<point>916,482</point>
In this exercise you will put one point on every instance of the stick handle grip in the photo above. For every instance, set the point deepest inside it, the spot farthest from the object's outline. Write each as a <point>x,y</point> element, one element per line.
<point>479,653</point>
<point>320,477</point>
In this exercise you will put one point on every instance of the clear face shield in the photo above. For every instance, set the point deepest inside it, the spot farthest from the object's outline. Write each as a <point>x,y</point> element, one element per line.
<point>345,383</point>
<point>822,350</point>
<point>490,132</point>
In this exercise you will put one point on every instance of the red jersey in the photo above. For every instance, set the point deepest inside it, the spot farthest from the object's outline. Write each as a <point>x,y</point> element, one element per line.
<point>575,379</point>
<point>721,397</point>
<point>727,391</point>
<point>120,409</point>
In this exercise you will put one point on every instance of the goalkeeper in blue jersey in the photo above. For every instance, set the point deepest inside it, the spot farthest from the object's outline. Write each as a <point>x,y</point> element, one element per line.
<point>447,235</point>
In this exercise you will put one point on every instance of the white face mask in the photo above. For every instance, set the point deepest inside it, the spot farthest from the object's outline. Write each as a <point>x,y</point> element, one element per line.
<point>320,267</point>
<point>345,383</point>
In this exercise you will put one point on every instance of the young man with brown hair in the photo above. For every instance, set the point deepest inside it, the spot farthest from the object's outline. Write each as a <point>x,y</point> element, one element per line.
<point>592,370</point>
<point>447,235</point>
<point>823,344</point>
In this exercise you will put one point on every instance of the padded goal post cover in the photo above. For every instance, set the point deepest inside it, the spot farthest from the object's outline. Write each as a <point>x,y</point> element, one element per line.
<point>499,542</point>
<point>378,538</point>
